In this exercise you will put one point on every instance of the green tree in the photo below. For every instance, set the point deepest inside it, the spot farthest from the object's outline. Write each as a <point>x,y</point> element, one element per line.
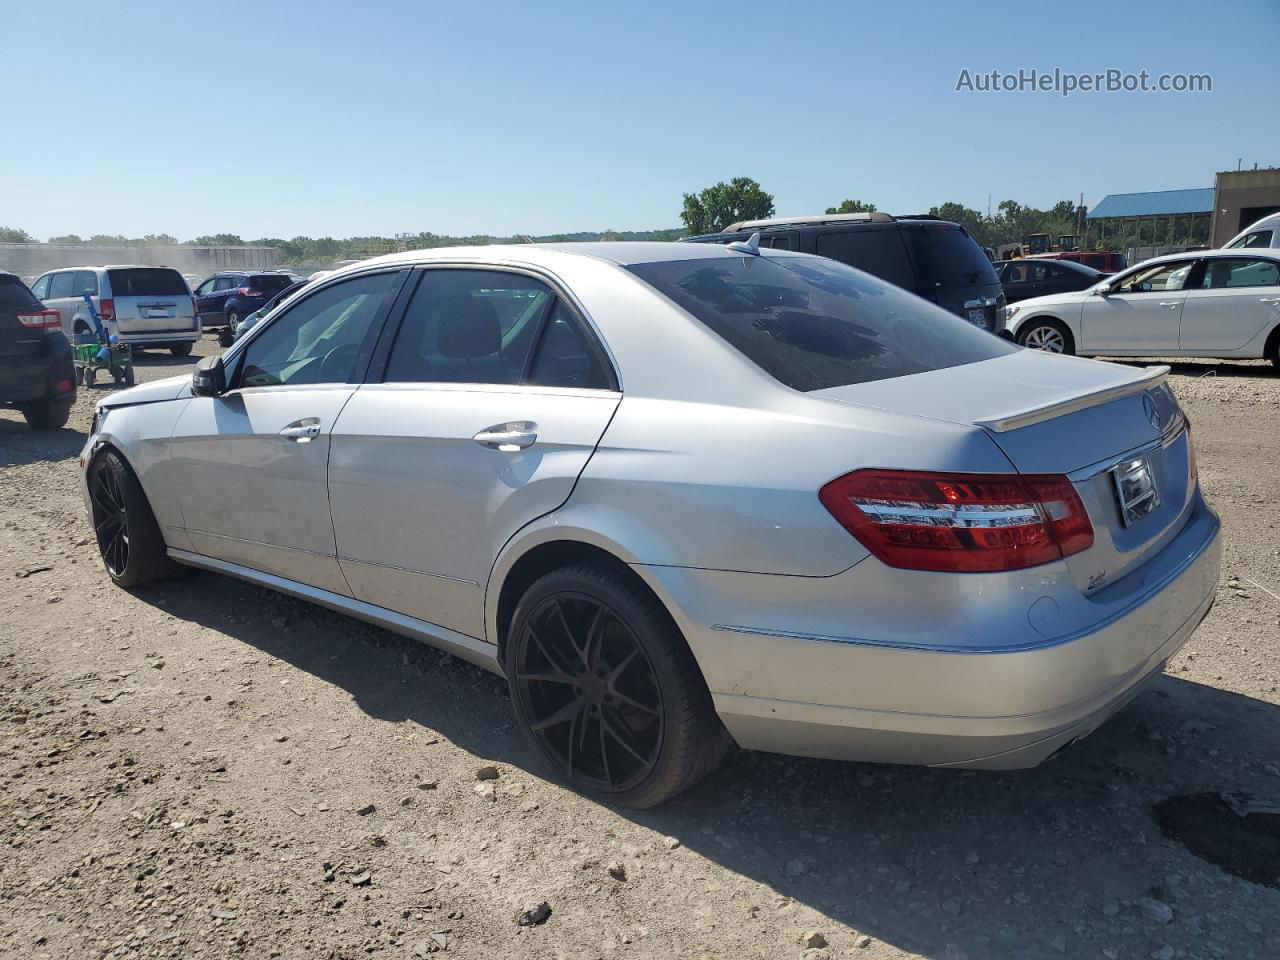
<point>14,235</point>
<point>159,240</point>
<point>108,238</point>
<point>67,238</point>
<point>724,203</point>
<point>853,206</point>
<point>217,240</point>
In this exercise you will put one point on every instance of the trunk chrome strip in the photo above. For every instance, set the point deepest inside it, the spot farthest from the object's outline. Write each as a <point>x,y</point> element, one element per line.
<point>1151,377</point>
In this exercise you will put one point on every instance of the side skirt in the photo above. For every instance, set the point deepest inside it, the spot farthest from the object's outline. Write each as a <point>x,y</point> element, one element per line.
<point>468,648</point>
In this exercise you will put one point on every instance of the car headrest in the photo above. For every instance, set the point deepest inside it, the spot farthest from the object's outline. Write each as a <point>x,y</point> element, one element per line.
<point>469,328</point>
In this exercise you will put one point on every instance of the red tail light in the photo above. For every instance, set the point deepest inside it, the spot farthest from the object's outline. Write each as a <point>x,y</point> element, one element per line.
<point>107,310</point>
<point>195,308</point>
<point>40,319</point>
<point>249,292</point>
<point>962,523</point>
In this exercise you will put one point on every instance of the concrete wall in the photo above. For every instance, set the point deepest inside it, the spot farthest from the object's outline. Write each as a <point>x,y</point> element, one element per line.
<point>33,259</point>
<point>1242,197</point>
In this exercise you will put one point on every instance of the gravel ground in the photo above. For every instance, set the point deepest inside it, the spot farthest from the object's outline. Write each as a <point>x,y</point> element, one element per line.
<point>206,769</point>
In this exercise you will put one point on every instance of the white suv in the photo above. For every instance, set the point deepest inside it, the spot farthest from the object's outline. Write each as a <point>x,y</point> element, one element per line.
<point>1265,233</point>
<point>144,306</point>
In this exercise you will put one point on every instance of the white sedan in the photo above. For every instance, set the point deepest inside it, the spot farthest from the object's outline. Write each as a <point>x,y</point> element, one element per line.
<point>1209,303</point>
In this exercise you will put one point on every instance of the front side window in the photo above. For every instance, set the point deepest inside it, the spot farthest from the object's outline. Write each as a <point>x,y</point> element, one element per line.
<point>206,287</point>
<point>327,338</point>
<point>1240,272</point>
<point>1161,278</point>
<point>813,324</point>
<point>41,287</point>
<point>62,285</point>
<point>1259,238</point>
<point>469,326</point>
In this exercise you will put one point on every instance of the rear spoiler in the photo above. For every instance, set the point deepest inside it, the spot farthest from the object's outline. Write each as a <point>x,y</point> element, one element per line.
<point>1150,377</point>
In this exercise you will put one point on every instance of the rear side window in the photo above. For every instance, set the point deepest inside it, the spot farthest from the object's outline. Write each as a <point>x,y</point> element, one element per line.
<point>949,257</point>
<point>41,287</point>
<point>880,252</point>
<point>14,294</point>
<point>468,326</point>
<point>1224,273</point>
<point>147,282</point>
<point>86,282</point>
<point>62,285</point>
<point>568,355</point>
<point>814,324</point>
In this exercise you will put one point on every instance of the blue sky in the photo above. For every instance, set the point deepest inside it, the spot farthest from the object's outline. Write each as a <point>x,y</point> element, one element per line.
<point>279,119</point>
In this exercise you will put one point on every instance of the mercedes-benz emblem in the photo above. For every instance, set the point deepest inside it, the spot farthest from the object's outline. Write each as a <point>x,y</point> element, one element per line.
<point>1152,411</point>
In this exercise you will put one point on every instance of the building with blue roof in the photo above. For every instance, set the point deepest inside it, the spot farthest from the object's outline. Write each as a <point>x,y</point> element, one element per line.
<point>1159,216</point>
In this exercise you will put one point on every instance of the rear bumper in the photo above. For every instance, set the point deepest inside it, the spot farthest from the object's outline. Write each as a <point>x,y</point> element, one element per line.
<point>161,337</point>
<point>51,376</point>
<point>1003,702</point>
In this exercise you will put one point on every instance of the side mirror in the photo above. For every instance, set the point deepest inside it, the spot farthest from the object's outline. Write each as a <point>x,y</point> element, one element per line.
<point>209,378</point>
<point>1102,291</point>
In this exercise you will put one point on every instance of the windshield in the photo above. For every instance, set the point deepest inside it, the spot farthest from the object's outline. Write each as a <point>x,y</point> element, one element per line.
<point>813,323</point>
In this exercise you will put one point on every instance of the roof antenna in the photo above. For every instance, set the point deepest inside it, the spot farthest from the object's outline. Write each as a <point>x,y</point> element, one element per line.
<point>752,245</point>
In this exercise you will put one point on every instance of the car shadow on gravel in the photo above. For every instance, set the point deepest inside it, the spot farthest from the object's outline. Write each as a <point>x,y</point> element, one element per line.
<point>20,445</point>
<point>1255,369</point>
<point>946,863</point>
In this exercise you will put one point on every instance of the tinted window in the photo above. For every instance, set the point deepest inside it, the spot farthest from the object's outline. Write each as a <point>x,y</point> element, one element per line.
<point>226,283</point>
<point>948,256</point>
<point>147,282</point>
<point>326,338</point>
<point>61,285</point>
<point>568,355</point>
<point>14,294</point>
<point>1095,260</point>
<point>815,323</point>
<point>86,281</point>
<point>1222,274</point>
<point>876,251</point>
<point>1259,238</point>
<point>41,287</point>
<point>270,282</point>
<point>468,326</point>
<point>206,287</point>
<point>777,243</point>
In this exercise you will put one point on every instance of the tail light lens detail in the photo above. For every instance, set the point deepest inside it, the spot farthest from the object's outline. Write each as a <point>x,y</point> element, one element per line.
<point>960,523</point>
<point>42,319</point>
<point>107,310</point>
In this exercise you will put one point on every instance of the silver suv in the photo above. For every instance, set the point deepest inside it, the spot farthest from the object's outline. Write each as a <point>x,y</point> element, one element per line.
<point>144,306</point>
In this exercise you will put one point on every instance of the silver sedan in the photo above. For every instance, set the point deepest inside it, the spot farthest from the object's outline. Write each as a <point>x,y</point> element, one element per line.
<point>686,496</point>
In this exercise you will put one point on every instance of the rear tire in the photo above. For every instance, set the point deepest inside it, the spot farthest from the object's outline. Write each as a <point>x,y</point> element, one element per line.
<point>233,321</point>
<point>47,414</point>
<point>1051,336</point>
<point>605,687</point>
<point>1274,353</point>
<point>129,539</point>
<point>180,349</point>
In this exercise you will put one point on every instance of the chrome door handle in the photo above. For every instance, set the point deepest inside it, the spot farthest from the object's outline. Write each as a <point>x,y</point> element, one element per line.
<point>1175,303</point>
<point>1270,300</point>
<point>302,431</point>
<point>508,437</point>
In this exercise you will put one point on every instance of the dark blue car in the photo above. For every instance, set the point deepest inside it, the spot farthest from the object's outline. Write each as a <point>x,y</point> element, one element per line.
<point>227,298</point>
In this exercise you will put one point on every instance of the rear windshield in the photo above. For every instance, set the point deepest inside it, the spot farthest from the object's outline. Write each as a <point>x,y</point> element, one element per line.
<point>269,282</point>
<point>813,323</point>
<point>147,282</point>
<point>14,294</point>
<point>949,256</point>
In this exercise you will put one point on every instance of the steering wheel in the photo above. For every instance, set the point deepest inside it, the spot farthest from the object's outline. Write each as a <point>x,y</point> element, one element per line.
<point>337,363</point>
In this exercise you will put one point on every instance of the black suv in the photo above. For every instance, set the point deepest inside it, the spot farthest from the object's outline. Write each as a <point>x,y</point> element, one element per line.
<point>36,372</point>
<point>932,258</point>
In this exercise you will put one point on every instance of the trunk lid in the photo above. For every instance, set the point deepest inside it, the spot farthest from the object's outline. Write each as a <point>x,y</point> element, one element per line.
<point>151,300</point>
<point>1104,425</point>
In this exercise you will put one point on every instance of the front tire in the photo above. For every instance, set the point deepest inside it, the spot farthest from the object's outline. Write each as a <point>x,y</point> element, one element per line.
<point>129,538</point>
<point>47,414</point>
<point>180,349</point>
<point>607,690</point>
<point>1051,336</point>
